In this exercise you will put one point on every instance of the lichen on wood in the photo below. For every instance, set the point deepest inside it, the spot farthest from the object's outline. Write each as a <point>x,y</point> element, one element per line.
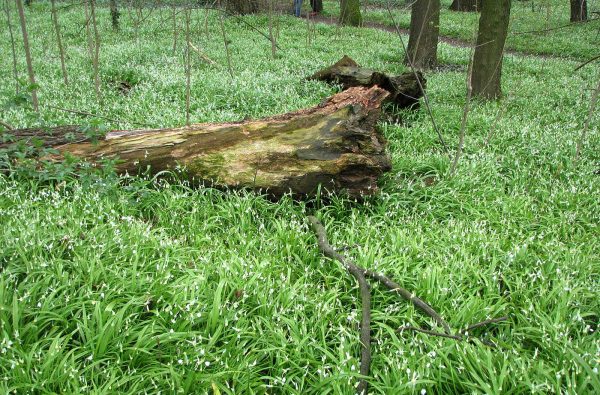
<point>334,145</point>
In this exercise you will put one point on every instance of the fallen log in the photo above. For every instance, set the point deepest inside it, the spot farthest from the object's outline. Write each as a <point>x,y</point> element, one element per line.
<point>334,144</point>
<point>404,89</point>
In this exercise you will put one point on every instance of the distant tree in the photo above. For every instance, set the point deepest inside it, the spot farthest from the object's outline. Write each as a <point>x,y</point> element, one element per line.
<point>34,98</point>
<point>350,13</point>
<point>424,32</point>
<point>489,50</point>
<point>114,14</point>
<point>244,7</point>
<point>466,5</point>
<point>316,5</point>
<point>579,11</point>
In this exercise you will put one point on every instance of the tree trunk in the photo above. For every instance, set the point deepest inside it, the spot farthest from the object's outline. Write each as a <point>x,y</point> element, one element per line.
<point>350,13</point>
<point>404,89</point>
<point>334,144</point>
<point>489,50</point>
<point>34,99</point>
<point>579,10</point>
<point>466,5</point>
<point>243,7</point>
<point>424,31</point>
<point>316,5</point>
<point>114,14</point>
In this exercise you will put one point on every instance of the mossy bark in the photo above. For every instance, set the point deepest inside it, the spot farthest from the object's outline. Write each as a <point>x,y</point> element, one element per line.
<point>489,50</point>
<point>350,13</point>
<point>334,145</point>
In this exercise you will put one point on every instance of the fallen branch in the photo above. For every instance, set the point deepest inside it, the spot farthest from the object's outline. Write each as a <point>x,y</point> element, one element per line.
<point>365,326</point>
<point>365,293</point>
<point>587,62</point>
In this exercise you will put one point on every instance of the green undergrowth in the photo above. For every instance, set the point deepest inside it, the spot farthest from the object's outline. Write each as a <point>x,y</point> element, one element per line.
<point>547,21</point>
<point>141,285</point>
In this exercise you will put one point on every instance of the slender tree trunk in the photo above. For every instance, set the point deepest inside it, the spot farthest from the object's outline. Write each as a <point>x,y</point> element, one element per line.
<point>579,12</point>
<point>175,31</point>
<point>188,67</point>
<point>114,15</point>
<point>61,51</point>
<point>466,5</point>
<point>96,58</point>
<point>586,126</point>
<point>271,35</point>
<point>88,32</point>
<point>316,5</point>
<point>350,13</point>
<point>34,98</point>
<point>489,50</point>
<point>12,46</point>
<point>424,32</point>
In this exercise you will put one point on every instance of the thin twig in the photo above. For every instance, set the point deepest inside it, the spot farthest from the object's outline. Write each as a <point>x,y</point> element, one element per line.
<point>89,114</point>
<point>428,332</point>
<point>239,19</point>
<point>483,323</point>
<point>554,28</point>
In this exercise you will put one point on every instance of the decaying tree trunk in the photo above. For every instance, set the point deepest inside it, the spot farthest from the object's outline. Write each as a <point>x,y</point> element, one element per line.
<point>334,144</point>
<point>404,89</point>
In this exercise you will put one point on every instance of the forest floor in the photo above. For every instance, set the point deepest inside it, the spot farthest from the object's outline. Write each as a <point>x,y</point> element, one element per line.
<point>144,284</point>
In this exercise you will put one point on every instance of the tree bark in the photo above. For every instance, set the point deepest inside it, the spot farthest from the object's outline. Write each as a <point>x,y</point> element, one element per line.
<point>316,5</point>
<point>114,14</point>
<point>350,13</point>
<point>404,90</point>
<point>334,145</point>
<point>579,11</point>
<point>466,5</point>
<point>489,50</point>
<point>424,32</point>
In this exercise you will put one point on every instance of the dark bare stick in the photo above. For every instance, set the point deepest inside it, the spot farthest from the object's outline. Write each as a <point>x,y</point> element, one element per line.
<point>587,62</point>
<point>365,293</point>
<point>428,332</point>
<point>484,323</point>
<point>586,126</point>
<point>408,296</point>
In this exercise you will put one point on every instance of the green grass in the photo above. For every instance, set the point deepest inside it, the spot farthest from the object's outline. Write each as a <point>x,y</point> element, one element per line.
<point>137,285</point>
<point>578,41</point>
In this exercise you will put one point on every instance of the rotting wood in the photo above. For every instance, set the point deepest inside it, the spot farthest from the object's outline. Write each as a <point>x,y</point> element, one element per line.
<point>404,89</point>
<point>334,145</point>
